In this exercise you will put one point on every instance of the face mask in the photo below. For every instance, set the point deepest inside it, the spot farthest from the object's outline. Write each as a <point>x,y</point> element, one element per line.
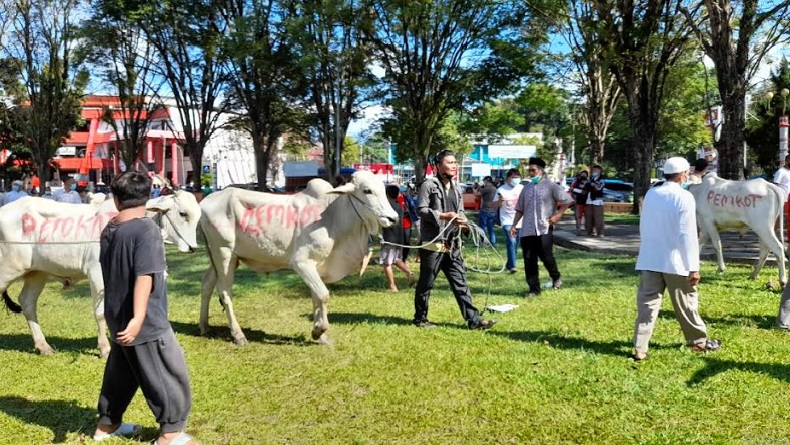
<point>685,185</point>
<point>595,175</point>
<point>73,187</point>
<point>535,179</point>
<point>515,181</point>
<point>15,188</point>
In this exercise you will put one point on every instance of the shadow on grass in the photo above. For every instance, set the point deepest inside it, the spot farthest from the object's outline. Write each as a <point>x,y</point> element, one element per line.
<point>24,343</point>
<point>767,322</point>
<point>253,335</point>
<point>714,366</point>
<point>59,416</point>
<point>359,318</point>
<point>619,348</point>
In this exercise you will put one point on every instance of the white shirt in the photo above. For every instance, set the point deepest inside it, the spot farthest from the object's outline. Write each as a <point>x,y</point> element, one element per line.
<point>782,179</point>
<point>509,197</point>
<point>70,196</point>
<point>13,196</point>
<point>668,231</point>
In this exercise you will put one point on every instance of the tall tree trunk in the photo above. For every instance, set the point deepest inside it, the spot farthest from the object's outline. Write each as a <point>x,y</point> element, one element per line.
<point>596,147</point>
<point>730,145</point>
<point>261,150</point>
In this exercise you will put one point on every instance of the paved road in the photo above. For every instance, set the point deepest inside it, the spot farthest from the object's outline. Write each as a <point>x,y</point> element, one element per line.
<point>624,240</point>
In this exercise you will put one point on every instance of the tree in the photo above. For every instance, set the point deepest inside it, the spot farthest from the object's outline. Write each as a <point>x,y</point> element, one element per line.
<point>186,36</point>
<point>736,36</point>
<point>447,55</point>
<point>39,47</point>
<point>585,33</point>
<point>337,65</point>
<point>265,78</point>
<point>645,39</point>
<point>761,128</point>
<point>126,61</point>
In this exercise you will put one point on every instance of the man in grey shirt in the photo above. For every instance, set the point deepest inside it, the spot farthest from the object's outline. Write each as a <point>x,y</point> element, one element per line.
<point>538,204</point>
<point>487,216</point>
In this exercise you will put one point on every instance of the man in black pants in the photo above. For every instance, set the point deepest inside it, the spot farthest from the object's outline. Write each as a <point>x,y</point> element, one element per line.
<point>440,203</point>
<point>538,205</point>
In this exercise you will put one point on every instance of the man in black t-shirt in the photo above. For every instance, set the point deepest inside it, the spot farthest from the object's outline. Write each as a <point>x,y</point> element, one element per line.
<point>144,351</point>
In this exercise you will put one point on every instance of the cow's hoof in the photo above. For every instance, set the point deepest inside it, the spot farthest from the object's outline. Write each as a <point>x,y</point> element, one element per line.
<point>324,340</point>
<point>45,350</point>
<point>318,333</point>
<point>240,341</point>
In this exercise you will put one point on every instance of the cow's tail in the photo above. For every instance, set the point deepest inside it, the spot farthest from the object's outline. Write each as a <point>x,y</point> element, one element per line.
<point>11,304</point>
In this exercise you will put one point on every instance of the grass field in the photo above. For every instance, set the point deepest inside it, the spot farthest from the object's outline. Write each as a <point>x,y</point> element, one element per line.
<point>556,370</point>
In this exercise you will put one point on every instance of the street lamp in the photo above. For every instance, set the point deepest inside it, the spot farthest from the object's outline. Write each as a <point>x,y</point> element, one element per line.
<point>783,123</point>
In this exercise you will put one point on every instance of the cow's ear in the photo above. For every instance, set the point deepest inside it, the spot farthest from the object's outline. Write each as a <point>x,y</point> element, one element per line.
<point>161,204</point>
<point>343,189</point>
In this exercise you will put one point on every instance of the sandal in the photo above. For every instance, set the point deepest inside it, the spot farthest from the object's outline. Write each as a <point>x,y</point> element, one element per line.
<point>638,356</point>
<point>182,439</point>
<point>124,430</point>
<point>708,345</point>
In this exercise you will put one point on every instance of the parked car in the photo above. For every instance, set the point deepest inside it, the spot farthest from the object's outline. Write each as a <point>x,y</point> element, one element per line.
<point>615,190</point>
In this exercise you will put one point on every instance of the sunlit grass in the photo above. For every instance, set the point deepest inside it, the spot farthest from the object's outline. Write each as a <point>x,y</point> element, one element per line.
<point>556,370</point>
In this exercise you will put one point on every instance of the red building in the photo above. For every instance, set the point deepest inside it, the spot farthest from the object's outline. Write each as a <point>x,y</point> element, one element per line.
<point>90,153</point>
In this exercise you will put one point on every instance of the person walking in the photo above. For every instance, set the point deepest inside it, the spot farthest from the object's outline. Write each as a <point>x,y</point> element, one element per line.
<point>579,192</point>
<point>700,170</point>
<point>541,204</point>
<point>69,193</point>
<point>442,218</point>
<point>506,199</point>
<point>669,260</point>
<point>593,212</point>
<point>17,191</point>
<point>487,216</point>
<point>144,352</point>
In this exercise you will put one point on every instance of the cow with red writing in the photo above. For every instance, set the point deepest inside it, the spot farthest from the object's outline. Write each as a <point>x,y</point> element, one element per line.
<point>43,240</point>
<point>741,205</point>
<point>321,233</point>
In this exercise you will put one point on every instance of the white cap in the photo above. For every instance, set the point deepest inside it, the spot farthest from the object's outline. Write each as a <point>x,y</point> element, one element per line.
<point>18,182</point>
<point>676,165</point>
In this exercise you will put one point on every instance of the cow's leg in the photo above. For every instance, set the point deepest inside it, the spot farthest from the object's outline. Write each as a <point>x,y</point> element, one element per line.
<point>307,270</point>
<point>758,266</point>
<point>768,238</point>
<point>708,230</point>
<point>207,288</point>
<point>225,263</point>
<point>97,291</point>
<point>28,299</point>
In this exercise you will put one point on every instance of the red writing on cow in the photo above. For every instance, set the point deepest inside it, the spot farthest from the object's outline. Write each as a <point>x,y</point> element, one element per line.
<point>723,200</point>
<point>65,228</point>
<point>257,220</point>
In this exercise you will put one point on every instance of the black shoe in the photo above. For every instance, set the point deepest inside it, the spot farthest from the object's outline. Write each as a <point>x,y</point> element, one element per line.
<point>424,324</point>
<point>485,324</point>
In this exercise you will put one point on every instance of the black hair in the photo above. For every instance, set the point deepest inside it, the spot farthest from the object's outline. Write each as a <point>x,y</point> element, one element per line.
<point>132,189</point>
<point>441,155</point>
<point>700,164</point>
<point>671,176</point>
<point>392,191</point>
<point>597,166</point>
<point>513,172</point>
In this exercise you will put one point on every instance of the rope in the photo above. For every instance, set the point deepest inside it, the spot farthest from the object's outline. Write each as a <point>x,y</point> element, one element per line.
<point>479,239</point>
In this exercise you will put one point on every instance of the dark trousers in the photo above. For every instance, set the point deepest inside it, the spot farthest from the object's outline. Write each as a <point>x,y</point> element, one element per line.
<point>454,269</point>
<point>534,247</point>
<point>158,368</point>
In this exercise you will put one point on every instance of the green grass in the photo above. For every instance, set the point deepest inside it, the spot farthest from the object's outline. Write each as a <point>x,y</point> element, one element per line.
<point>621,218</point>
<point>556,370</point>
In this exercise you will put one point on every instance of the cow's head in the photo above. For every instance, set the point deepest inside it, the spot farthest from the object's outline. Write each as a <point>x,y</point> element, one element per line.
<point>369,198</point>
<point>178,216</point>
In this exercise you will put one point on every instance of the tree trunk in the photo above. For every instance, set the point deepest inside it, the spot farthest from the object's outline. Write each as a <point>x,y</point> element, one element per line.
<point>644,148</point>
<point>261,151</point>
<point>730,145</point>
<point>596,148</point>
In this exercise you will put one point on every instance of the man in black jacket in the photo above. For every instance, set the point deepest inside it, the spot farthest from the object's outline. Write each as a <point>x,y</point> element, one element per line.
<point>440,204</point>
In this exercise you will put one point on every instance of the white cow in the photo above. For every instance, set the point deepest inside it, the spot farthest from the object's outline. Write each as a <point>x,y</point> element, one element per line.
<point>321,233</point>
<point>42,240</point>
<point>741,205</point>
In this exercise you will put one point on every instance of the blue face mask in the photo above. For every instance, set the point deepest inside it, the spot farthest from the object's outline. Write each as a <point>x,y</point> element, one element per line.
<point>73,187</point>
<point>15,188</point>
<point>535,179</point>
<point>515,181</point>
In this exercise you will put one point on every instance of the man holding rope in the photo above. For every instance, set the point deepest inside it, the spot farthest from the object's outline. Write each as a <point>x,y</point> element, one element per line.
<point>440,207</point>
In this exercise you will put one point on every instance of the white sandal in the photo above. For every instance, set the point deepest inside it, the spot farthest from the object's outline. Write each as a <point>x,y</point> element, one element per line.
<point>125,430</point>
<point>182,439</point>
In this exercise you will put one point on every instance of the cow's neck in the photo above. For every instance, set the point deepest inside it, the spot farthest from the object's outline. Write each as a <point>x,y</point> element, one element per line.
<point>348,219</point>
